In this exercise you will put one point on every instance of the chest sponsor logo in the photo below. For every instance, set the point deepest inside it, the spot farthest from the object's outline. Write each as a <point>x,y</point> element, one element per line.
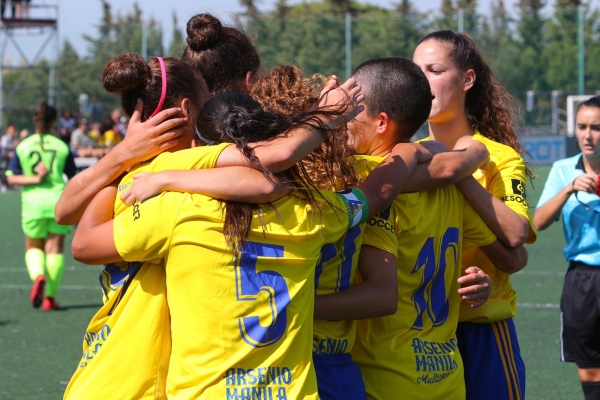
<point>270,383</point>
<point>434,361</point>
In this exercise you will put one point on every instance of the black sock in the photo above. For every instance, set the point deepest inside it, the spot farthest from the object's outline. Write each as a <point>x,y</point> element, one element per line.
<point>591,390</point>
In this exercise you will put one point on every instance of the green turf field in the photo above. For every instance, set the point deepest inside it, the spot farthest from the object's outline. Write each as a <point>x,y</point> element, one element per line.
<point>39,351</point>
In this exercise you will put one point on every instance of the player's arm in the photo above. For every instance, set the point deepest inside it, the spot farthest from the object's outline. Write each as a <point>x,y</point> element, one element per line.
<point>239,184</point>
<point>289,148</point>
<point>549,212</point>
<point>376,296</point>
<point>510,228</point>
<point>386,181</point>
<point>446,167</point>
<point>94,242</point>
<point>509,260</point>
<point>143,141</point>
<point>15,176</point>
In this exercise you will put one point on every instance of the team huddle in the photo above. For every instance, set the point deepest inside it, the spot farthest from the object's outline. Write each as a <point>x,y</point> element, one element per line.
<point>268,235</point>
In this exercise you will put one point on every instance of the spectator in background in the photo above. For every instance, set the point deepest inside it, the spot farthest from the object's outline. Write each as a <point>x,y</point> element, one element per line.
<point>113,136</point>
<point>8,142</point>
<point>96,133</point>
<point>118,119</point>
<point>95,110</point>
<point>66,125</point>
<point>82,144</point>
<point>24,134</point>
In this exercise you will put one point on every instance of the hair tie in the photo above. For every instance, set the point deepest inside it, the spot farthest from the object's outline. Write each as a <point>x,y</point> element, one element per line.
<point>205,140</point>
<point>163,93</point>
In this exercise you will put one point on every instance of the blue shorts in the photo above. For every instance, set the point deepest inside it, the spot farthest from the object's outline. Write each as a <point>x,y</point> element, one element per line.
<point>494,369</point>
<point>338,377</point>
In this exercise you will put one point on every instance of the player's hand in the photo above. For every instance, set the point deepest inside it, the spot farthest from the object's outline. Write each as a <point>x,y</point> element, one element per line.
<point>147,139</point>
<point>346,97</point>
<point>476,286</point>
<point>585,183</point>
<point>41,170</point>
<point>145,186</point>
<point>434,146</point>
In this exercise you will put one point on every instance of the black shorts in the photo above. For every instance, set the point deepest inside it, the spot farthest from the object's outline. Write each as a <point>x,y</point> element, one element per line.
<point>580,318</point>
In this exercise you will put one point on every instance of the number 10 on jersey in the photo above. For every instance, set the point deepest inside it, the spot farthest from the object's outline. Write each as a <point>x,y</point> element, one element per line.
<point>431,294</point>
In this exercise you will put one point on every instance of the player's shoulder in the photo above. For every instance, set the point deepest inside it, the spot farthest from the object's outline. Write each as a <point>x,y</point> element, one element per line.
<point>498,151</point>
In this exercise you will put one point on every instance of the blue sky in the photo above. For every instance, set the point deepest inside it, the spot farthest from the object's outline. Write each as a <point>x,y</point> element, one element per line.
<point>78,17</point>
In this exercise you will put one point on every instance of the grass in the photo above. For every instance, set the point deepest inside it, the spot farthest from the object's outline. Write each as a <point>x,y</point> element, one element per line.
<point>39,351</point>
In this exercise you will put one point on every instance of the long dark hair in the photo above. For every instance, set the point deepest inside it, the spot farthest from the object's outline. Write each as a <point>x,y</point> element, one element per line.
<point>237,118</point>
<point>223,55</point>
<point>489,106</point>
<point>44,118</point>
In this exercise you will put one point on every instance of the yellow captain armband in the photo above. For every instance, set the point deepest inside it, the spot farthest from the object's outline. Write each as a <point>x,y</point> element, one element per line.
<point>356,203</point>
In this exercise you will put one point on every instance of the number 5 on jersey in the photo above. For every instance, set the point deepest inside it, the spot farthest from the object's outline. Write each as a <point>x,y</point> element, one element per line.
<point>250,283</point>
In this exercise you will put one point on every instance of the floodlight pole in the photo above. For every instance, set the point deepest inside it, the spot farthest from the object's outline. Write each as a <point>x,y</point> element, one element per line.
<point>461,20</point>
<point>581,19</point>
<point>348,45</point>
<point>144,41</point>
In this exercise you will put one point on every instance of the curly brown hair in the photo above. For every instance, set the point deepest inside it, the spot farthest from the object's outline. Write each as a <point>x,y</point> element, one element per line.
<point>285,90</point>
<point>490,108</point>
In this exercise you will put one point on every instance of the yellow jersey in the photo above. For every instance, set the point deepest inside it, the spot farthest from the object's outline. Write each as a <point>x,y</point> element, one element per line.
<point>336,272</point>
<point>130,335</point>
<point>241,326</point>
<point>413,353</point>
<point>506,180</point>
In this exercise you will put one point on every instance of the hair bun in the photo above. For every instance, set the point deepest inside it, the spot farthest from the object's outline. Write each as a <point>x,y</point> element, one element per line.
<point>124,72</point>
<point>204,31</point>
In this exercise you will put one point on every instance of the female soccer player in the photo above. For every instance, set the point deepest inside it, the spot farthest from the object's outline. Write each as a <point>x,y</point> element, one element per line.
<point>131,287</point>
<point>468,102</point>
<point>38,165</point>
<point>241,294</point>
<point>572,190</point>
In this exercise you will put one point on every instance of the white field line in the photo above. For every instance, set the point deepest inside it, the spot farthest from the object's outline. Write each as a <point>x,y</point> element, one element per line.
<point>62,287</point>
<point>70,268</point>
<point>544,273</point>
<point>538,305</point>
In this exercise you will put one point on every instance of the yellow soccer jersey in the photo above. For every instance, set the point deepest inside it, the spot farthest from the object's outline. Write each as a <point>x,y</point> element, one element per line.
<point>506,180</point>
<point>241,328</point>
<point>336,272</point>
<point>413,353</point>
<point>135,314</point>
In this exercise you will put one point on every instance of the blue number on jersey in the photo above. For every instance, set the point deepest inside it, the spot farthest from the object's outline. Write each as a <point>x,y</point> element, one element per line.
<point>328,252</point>
<point>431,294</point>
<point>249,283</point>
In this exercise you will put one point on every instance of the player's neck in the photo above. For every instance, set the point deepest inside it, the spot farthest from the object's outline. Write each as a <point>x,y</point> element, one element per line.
<point>592,164</point>
<point>451,131</point>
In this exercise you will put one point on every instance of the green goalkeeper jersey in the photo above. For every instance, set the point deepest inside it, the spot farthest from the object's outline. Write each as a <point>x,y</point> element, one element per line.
<point>38,200</point>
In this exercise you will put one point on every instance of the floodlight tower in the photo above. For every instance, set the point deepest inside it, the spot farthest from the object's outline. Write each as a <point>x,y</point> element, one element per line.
<point>39,30</point>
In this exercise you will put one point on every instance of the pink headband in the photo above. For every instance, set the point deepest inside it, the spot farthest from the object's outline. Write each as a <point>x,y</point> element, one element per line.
<point>163,93</point>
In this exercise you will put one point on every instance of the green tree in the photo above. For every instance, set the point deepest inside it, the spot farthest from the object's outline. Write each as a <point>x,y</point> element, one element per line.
<point>561,53</point>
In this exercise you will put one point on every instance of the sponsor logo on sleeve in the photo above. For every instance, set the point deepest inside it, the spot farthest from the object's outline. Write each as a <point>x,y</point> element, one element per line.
<point>382,220</point>
<point>519,195</point>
